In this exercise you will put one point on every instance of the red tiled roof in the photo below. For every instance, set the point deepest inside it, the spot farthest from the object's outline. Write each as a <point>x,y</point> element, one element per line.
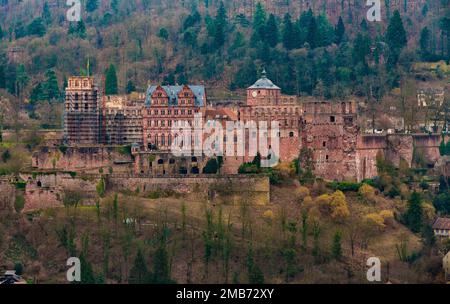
<point>442,224</point>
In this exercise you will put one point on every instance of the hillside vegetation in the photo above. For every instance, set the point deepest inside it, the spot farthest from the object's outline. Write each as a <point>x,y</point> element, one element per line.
<point>327,50</point>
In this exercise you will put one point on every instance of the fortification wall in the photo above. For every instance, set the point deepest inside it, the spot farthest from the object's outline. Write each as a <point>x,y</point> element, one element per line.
<point>79,158</point>
<point>428,145</point>
<point>224,189</point>
<point>48,190</point>
<point>7,195</point>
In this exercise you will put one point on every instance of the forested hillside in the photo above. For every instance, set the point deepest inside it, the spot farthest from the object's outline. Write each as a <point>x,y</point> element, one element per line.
<point>322,48</point>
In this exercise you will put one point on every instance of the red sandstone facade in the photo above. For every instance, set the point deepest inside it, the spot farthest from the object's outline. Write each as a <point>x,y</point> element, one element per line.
<point>329,129</point>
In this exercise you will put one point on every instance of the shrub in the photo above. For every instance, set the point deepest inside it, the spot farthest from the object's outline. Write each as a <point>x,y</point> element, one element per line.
<point>388,216</point>
<point>154,195</point>
<point>268,215</point>
<point>18,268</point>
<point>339,206</point>
<point>367,193</point>
<point>19,203</point>
<point>344,186</point>
<point>323,202</point>
<point>302,192</point>
<point>125,150</point>
<point>101,187</point>
<point>63,149</point>
<point>212,167</point>
<point>375,221</point>
<point>429,212</point>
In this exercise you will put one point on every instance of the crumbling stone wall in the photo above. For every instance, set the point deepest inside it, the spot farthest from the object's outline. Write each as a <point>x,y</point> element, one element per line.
<point>78,158</point>
<point>48,190</point>
<point>429,146</point>
<point>226,189</point>
<point>400,147</point>
<point>7,195</point>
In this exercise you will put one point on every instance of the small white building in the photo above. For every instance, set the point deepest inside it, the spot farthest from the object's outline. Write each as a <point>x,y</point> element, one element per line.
<point>441,227</point>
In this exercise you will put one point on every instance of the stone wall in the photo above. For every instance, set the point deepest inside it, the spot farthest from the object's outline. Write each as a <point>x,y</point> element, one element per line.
<point>80,158</point>
<point>369,146</point>
<point>394,148</point>
<point>48,190</point>
<point>428,145</point>
<point>7,194</point>
<point>225,189</point>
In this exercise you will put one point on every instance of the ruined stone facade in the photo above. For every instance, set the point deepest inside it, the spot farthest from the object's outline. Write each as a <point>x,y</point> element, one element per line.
<point>123,119</point>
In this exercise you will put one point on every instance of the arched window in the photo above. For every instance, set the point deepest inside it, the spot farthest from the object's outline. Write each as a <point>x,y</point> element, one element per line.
<point>77,96</point>
<point>161,162</point>
<point>163,140</point>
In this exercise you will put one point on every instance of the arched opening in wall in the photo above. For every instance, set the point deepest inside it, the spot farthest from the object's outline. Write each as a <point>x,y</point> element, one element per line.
<point>195,170</point>
<point>194,159</point>
<point>291,134</point>
<point>76,107</point>
<point>160,162</point>
<point>171,161</point>
<point>77,96</point>
<point>183,171</point>
<point>39,184</point>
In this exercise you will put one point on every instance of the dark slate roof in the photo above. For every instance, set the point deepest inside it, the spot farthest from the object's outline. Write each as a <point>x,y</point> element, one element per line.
<point>442,224</point>
<point>173,91</point>
<point>264,83</point>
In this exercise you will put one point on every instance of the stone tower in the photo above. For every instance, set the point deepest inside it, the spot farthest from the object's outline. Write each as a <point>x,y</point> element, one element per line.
<point>82,112</point>
<point>263,92</point>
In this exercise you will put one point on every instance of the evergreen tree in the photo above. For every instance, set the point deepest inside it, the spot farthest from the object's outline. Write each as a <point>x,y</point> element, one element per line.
<point>87,274</point>
<point>255,275</point>
<point>395,38</point>
<point>37,93</point>
<point>336,249</point>
<point>259,23</point>
<point>425,43</point>
<point>414,214</point>
<point>111,85</point>
<point>288,33</point>
<point>340,31</point>
<point>37,27</point>
<point>51,85</point>
<point>161,273</point>
<point>78,30</point>
<point>312,36</point>
<point>2,77</point>
<point>46,14</point>
<point>139,273</point>
<point>220,25</point>
<point>272,31</point>
<point>130,87</point>
<point>91,5</point>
